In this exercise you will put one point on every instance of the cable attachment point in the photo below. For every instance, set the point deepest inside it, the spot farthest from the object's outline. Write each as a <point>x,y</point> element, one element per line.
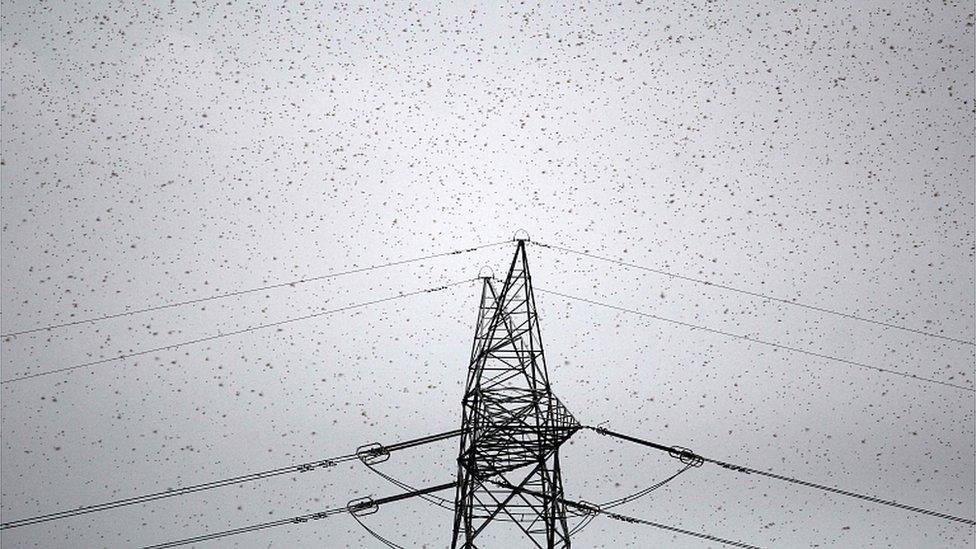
<point>590,507</point>
<point>372,453</point>
<point>362,507</point>
<point>686,456</point>
<point>736,468</point>
<point>306,467</point>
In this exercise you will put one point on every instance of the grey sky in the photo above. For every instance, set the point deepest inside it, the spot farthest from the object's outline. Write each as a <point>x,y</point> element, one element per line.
<point>155,152</point>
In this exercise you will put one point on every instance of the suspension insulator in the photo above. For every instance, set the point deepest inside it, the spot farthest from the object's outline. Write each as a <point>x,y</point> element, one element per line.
<point>372,453</point>
<point>686,456</point>
<point>362,506</point>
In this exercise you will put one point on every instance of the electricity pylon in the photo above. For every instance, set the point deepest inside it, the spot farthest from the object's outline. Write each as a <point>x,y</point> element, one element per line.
<point>512,425</point>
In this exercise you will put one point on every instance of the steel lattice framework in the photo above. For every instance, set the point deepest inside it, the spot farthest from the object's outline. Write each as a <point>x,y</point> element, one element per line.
<point>512,425</point>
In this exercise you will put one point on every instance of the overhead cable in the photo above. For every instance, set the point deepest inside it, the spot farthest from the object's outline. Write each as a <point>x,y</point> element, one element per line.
<point>760,341</point>
<point>369,453</point>
<point>357,507</point>
<point>688,456</point>
<point>757,294</point>
<point>591,508</point>
<point>290,283</point>
<point>231,333</point>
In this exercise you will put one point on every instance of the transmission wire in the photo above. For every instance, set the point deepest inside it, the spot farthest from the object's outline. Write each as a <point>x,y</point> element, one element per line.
<point>590,508</point>
<point>588,517</point>
<point>445,503</point>
<point>380,538</point>
<point>756,294</point>
<point>636,495</point>
<point>760,341</point>
<point>687,454</point>
<point>232,333</point>
<point>351,508</point>
<point>290,469</point>
<point>702,535</point>
<point>247,291</point>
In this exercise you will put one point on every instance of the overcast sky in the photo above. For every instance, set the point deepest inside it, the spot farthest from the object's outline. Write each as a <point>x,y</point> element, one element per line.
<point>164,151</point>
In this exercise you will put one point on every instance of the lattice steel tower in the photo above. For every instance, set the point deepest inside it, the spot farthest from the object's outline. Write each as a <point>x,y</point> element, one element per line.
<point>512,425</point>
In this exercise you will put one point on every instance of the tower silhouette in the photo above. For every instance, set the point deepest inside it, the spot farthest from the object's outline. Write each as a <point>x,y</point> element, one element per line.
<point>512,425</point>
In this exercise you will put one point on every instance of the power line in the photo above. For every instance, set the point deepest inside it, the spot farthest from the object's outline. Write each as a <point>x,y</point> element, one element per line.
<point>636,495</point>
<point>756,294</point>
<point>590,508</point>
<point>445,503</point>
<point>375,534</point>
<point>686,454</point>
<point>760,341</point>
<point>586,511</point>
<point>248,291</point>
<point>290,469</point>
<point>235,332</point>
<point>360,506</point>
<point>702,535</point>
<point>848,493</point>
